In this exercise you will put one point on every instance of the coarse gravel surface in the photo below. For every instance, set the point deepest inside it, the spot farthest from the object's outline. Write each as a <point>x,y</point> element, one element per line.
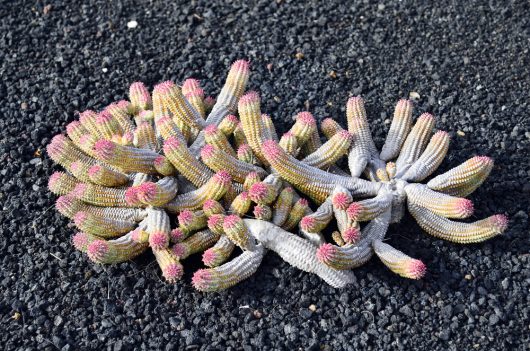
<point>467,62</point>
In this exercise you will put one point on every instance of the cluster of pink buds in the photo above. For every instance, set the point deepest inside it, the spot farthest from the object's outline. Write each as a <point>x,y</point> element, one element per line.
<point>184,174</point>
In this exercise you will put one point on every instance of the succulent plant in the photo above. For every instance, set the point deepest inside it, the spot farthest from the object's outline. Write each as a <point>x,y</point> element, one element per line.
<point>181,174</point>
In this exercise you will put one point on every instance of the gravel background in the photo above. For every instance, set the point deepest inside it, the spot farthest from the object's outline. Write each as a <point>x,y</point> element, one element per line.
<point>468,63</point>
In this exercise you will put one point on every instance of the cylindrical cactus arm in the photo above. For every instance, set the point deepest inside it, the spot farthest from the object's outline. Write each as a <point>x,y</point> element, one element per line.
<point>190,221</point>
<point>443,205</point>
<point>319,219</point>
<point>297,252</point>
<point>464,179</point>
<point>354,255</point>
<point>252,124</point>
<point>145,136</point>
<point>197,242</point>
<point>228,125</point>
<point>399,129</point>
<point>462,233</point>
<point>227,101</point>
<point>330,127</point>
<point>219,253</point>
<point>217,160</point>
<point>230,273</point>
<point>126,158</point>
<point>366,210</point>
<point>312,181</point>
<point>330,152</point>
<point>62,183</point>
<point>415,142</point>
<point>170,265</point>
<point>236,230</point>
<point>215,137</point>
<point>215,188</point>
<point>157,194</point>
<point>68,206</point>
<point>398,262</point>
<point>115,251</point>
<point>104,176</point>
<point>103,227</point>
<point>298,211</point>
<point>139,97</point>
<point>304,127</point>
<point>270,131</point>
<point>63,151</point>
<point>430,159</point>
<point>181,158</point>
<point>241,204</point>
<point>282,206</point>
<point>158,227</point>
<point>101,196</point>
<point>289,143</point>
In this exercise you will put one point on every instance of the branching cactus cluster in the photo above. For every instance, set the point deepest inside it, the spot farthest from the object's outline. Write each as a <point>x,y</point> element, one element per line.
<point>182,174</point>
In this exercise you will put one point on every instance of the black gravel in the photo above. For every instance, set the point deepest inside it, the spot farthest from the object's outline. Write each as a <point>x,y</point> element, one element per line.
<point>467,60</point>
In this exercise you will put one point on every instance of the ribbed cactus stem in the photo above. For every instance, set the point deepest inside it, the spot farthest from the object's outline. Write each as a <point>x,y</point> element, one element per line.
<point>126,158</point>
<point>398,262</point>
<point>197,242</point>
<point>217,159</point>
<point>170,265</point>
<point>236,230</point>
<point>61,183</point>
<point>228,125</point>
<point>304,127</point>
<point>289,143</point>
<point>415,142</point>
<point>215,137</point>
<point>211,207</point>
<point>330,127</point>
<point>331,151</point>
<point>282,206</point>
<point>297,212</point>
<point>263,212</point>
<point>139,97</point>
<point>430,159</point>
<point>399,129</point>
<point>219,253</point>
<point>103,227</point>
<point>190,221</point>
<point>241,204</point>
<point>441,204</point>
<point>262,193</point>
<point>114,251</point>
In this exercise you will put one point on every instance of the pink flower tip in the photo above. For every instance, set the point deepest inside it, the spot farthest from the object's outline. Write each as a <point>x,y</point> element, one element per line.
<point>209,204</point>
<point>500,222</point>
<point>306,118</point>
<point>164,87</point>
<point>94,170</point>
<point>173,272</point>
<point>158,240</point>
<point>80,241</point>
<point>54,178</point>
<point>271,150</point>
<point>345,135</point>
<point>179,249</point>
<point>79,190</point>
<point>159,161</point>
<point>341,201</point>
<point>231,221</point>
<point>326,253</point>
<point>72,126</point>
<point>440,134</point>
<point>232,118</point>
<point>201,279</point>
<point>176,234</point>
<point>185,217</point>
<point>351,235</point>
<point>59,139</point>
<point>251,97</point>
<point>356,100</point>
<point>104,149</point>
<point>207,151</point>
<point>425,116</point>
<point>416,269</point>
<point>215,220</point>
<point>172,143</point>
<point>131,195</point>
<point>241,65</point>
<point>191,84</point>
<point>210,129</point>
<point>354,210</point>
<point>466,207</point>
<point>63,203</point>
<point>97,250</point>
<point>307,223</point>
<point>258,191</point>
<point>223,177</point>
<point>80,217</point>
<point>209,256</point>
<point>104,117</point>
<point>303,202</point>
<point>147,191</point>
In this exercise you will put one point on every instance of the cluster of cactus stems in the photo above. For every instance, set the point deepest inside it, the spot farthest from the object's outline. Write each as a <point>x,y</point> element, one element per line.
<point>182,174</point>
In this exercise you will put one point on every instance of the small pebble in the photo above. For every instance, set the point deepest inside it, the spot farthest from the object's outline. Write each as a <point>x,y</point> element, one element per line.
<point>132,24</point>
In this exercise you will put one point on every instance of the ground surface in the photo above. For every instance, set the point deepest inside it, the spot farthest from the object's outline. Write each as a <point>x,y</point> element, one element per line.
<point>468,63</point>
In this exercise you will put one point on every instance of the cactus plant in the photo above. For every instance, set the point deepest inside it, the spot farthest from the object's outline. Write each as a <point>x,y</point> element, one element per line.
<point>182,174</point>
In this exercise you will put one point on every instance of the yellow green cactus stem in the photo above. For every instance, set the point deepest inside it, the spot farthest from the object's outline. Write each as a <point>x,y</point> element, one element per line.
<point>219,253</point>
<point>297,212</point>
<point>330,127</point>
<point>230,273</point>
<point>282,206</point>
<point>430,159</point>
<point>213,136</point>
<point>145,136</point>
<point>126,158</point>
<point>190,221</point>
<point>209,103</point>
<point>105,176</point>
<point>263,212</point>
<point>139,97</point>
<point>187,165</point>
<point>107,125</point>
<point>239,135</point>
<point>63,151</point>
<point>120,111</point>
<point>398,262</point>
<point>462,233</point>
<point>464,179</point>
<point>158,227</point>
<point>88,121</point>
<point>270,131</point>
<point>191,89</point>
<point>241,204</point>
<point>304,127</point>
<point>61,183</point>
<point>317,221</point>
<point>252,124</point>
<point>198,242</point>
<point>211,207</point>
<point>354,255</point>
<point>217,160</point>
<point>443,205</point>
<point>170,265</point>
<point>159,193</point>
<point>368,209</point>
<point>341,199</point>
<point>399,129</point>
<point>245,154</point>
<point>228,125</point>
<point>312,144</point>
<point>312,181</point>
<point>168,97</point>
<point>167,128</point>
<point>164,166</point>
<point>236,230</point>
<point>68,206</point>
<point>101,196</point>
<point>262,193</point>
<point>114,251</point>
<point>331,151</point>
<point>215,188</point>
<point>415,142</point>
<point>103,227</point>
<point>289,143</point>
